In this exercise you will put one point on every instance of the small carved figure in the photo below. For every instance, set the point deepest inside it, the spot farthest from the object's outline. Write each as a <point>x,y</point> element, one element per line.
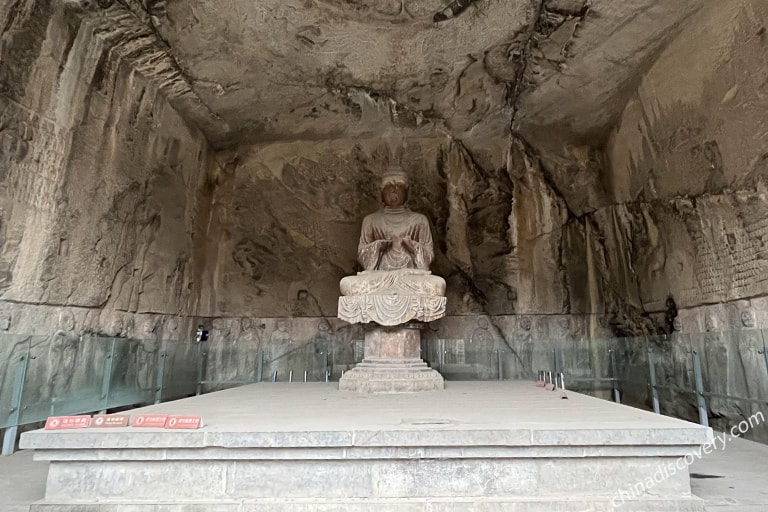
<point>748,319</point>
<point>5,321</point>
<point>280,347</point>
<point>281,334</point>
<point>146,356</point>
<point>62,352</point>
<point>171,328</point>
<point>116,329</point>
<point>250,334</point>
<point>670,314</point>
<point>526,346</point>
<point>481,335</point>
<point>320,359</point>
<point>710,323</point>
<point>481,351</point>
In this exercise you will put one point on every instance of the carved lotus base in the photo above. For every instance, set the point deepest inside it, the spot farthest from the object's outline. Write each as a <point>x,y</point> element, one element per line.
<point>390,310</point>
<point>392,363</point>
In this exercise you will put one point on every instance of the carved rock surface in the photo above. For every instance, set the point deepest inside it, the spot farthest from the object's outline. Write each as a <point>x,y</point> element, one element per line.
<point>100,173</point>
<point>178,160</point>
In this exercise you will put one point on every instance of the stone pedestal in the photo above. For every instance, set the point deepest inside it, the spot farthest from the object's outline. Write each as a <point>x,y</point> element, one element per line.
<point>392,363</point>
<point>305,447</point>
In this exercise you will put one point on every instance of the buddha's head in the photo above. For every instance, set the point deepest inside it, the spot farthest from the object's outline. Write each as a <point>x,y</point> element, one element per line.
<point>748,319</point>
<point>394,187</point>
<point>66,321</point>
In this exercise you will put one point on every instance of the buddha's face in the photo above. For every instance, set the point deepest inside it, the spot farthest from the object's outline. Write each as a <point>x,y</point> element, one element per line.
<point>394,194</point>
<point>66,322</point>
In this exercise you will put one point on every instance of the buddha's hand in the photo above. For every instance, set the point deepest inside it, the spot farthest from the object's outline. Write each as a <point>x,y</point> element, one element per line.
<point>399,243</point>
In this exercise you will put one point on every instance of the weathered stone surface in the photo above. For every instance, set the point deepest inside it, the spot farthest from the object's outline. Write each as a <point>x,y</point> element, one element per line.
<point>345,57</point>
<point>432,450</point>
<point>100,174</point>
<point>164,160</point>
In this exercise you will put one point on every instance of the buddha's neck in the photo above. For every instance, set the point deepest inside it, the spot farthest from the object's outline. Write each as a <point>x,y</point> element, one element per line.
<point>394,209</point>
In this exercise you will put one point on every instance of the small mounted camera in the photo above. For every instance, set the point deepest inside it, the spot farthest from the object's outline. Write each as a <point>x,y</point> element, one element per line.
<point>202,334</point>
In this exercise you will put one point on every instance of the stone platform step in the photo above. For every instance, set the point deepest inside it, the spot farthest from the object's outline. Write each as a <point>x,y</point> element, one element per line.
<point>473,446</point>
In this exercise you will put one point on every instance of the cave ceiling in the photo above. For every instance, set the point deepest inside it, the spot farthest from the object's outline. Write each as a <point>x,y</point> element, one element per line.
<point>317,69</point>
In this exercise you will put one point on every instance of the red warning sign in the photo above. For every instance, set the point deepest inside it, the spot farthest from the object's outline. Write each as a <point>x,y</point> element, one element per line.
<point>67,422</point>
<point>149,420</point>
<point>182,422</point>
<point>110,421</point>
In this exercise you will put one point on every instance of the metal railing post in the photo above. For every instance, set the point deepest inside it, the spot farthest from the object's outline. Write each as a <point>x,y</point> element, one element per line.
<point>9,437</point>
<point>160,378</point>
<point>652,375</point>
<point>259,365</point>
<point>701,402</point>
<point>106,379</point>
<point>615,378</point>
<point>200,366</point>
<point>501,364</point>
<point>765,351</point>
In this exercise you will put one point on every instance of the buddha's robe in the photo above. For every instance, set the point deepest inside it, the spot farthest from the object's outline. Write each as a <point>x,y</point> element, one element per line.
<point>380,227</point>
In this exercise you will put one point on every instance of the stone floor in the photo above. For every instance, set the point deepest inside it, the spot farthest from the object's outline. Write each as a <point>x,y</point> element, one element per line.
<point>732,479</point>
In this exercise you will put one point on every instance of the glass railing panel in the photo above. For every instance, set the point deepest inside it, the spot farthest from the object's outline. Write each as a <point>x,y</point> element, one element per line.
<point>477,358</point>
<point>297,361</point>
<point>676,382</point>
<point>631,356</point>
<point>712,349</point>
<point>734,376</point>
<point>180,369</point>
<point>14,358</point>
<point>228,364</point>
<point>587,366</point>
<point>134,372</point>
<point>64,377</point>
<point>748,379</point>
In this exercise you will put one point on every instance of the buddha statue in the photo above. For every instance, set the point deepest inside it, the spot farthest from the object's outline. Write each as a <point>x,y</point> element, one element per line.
<point>395,251</point>
<point>393,295</point>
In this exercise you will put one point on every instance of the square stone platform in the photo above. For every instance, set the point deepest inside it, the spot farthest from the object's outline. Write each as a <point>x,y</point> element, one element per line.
<point>491,446</point>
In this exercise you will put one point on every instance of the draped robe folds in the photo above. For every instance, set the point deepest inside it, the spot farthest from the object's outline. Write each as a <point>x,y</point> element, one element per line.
<point>380,227</point>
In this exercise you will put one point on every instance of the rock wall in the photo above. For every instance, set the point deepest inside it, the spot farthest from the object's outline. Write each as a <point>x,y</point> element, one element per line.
<point>286,219</point>
<point>117,218</point>
<point>687,170</point>
<point>688,163</point>
<point>101,180</point>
